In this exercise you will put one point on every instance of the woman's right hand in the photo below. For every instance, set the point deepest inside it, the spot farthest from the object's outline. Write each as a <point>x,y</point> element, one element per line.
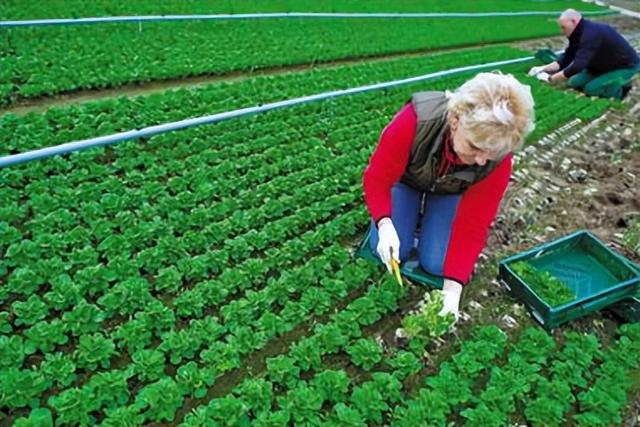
<point>388,243</point>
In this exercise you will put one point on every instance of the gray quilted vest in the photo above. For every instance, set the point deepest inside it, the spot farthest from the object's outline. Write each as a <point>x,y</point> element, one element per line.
<point>427,149</point>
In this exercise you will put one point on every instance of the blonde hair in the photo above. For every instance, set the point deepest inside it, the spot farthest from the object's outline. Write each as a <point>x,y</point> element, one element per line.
<point>495,110</point>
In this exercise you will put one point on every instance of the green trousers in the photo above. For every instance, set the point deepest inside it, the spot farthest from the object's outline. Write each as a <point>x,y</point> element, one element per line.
<point>608,85</point>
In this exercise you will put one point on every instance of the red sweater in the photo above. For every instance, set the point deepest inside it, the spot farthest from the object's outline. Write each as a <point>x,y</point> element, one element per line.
<point>476,210</point>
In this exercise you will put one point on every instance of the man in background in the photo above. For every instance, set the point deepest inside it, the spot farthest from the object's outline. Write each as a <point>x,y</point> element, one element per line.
<point>598,60</point>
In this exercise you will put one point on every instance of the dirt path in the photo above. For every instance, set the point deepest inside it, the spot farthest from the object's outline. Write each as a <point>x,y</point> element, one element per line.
<point>632,5</point>
<point>581,177</point>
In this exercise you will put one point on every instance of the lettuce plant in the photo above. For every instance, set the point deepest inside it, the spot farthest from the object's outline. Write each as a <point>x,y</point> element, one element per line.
<point>64,293</point>
<point>5,323</point>
<point>84,318</point>
<point>550,289</point>
<point>126,297</point>
<point>180,345</point>
<point>283,370</point>
<point>148,365</point>
<point>94,350</point>
<point>110,389</point>
<point>39,417</point>
<point>389,386</point>
<point>133,335</point>
<point>30,311</point>
<point>20,388</point>
<point>404,364</point>
<point>58,368</point>
<point>332,385</point>
<point>369,402</point>
<point>257,394</point>
<point>228,410</point>
<point>73,407</point>
<point>123,416</point>
<point>331,338</point>
<point>347,416</point>
<point>365,353</point>
<point>193,381</point>
<point>303,403</point>
<point>44,336</point>
<point>160,400</point>
<point>307,354</point>
<point>427,324</point>
<point>12,351</point>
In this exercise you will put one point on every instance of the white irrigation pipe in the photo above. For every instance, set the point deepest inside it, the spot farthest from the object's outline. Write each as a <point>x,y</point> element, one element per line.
<point>69,147</point>
<point>619,9</point>
<point>158,18</point>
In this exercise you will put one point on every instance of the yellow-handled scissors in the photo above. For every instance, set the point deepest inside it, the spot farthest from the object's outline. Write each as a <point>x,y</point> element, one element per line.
<point>395,267</point>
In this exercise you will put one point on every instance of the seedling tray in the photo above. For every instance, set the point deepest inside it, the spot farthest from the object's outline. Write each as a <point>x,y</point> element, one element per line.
<point>597,276</point>
<point>410,268</point>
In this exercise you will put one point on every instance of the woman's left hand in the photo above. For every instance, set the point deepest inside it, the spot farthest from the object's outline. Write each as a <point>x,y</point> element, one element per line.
<point>451,292</point>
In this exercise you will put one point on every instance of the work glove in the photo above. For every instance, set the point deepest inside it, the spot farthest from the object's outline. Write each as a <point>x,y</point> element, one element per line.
<point>388,243</point>
<point>543,76</point>
<point>536,70</point>
<point>451,292</point>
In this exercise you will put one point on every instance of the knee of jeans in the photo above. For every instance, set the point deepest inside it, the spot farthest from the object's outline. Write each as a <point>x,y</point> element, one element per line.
<point>373,236</point>
<point>431,262</point>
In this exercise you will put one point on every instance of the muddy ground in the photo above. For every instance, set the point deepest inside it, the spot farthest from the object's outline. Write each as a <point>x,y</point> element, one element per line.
<point>631,5</point>
<point>587,177</point>
<point>584,176</point>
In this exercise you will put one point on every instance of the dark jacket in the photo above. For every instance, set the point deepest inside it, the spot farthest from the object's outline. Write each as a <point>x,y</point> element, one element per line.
<point>598,48</point>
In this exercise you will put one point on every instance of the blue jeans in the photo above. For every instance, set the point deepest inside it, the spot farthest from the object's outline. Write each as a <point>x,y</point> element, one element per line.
<point>435,214</point>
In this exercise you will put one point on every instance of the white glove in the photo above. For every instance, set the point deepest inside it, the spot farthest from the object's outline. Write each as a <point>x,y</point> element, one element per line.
<point>536,70</point>
<point>451,291</point>
<point>543,76</point>
<point>388,242</point>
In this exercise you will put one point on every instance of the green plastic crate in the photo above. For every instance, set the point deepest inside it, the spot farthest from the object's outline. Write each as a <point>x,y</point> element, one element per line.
<point>596,274</point>
<point>410,268</point>
<point>629,308</point>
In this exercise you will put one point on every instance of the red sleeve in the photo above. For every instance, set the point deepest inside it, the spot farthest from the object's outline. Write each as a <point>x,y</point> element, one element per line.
<point>388,162</point>
<point>476,211</point>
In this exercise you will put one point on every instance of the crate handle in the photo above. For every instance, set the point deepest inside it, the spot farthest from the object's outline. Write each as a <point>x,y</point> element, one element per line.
<point>505,284</point>
<point>585,306</point>
<point>537,316</point>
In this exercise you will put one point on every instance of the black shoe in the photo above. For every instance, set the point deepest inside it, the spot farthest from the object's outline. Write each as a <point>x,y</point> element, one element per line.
<point>625,91</point>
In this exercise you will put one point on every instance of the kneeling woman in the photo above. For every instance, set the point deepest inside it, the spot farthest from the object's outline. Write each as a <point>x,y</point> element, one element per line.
<point>442,166</point>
